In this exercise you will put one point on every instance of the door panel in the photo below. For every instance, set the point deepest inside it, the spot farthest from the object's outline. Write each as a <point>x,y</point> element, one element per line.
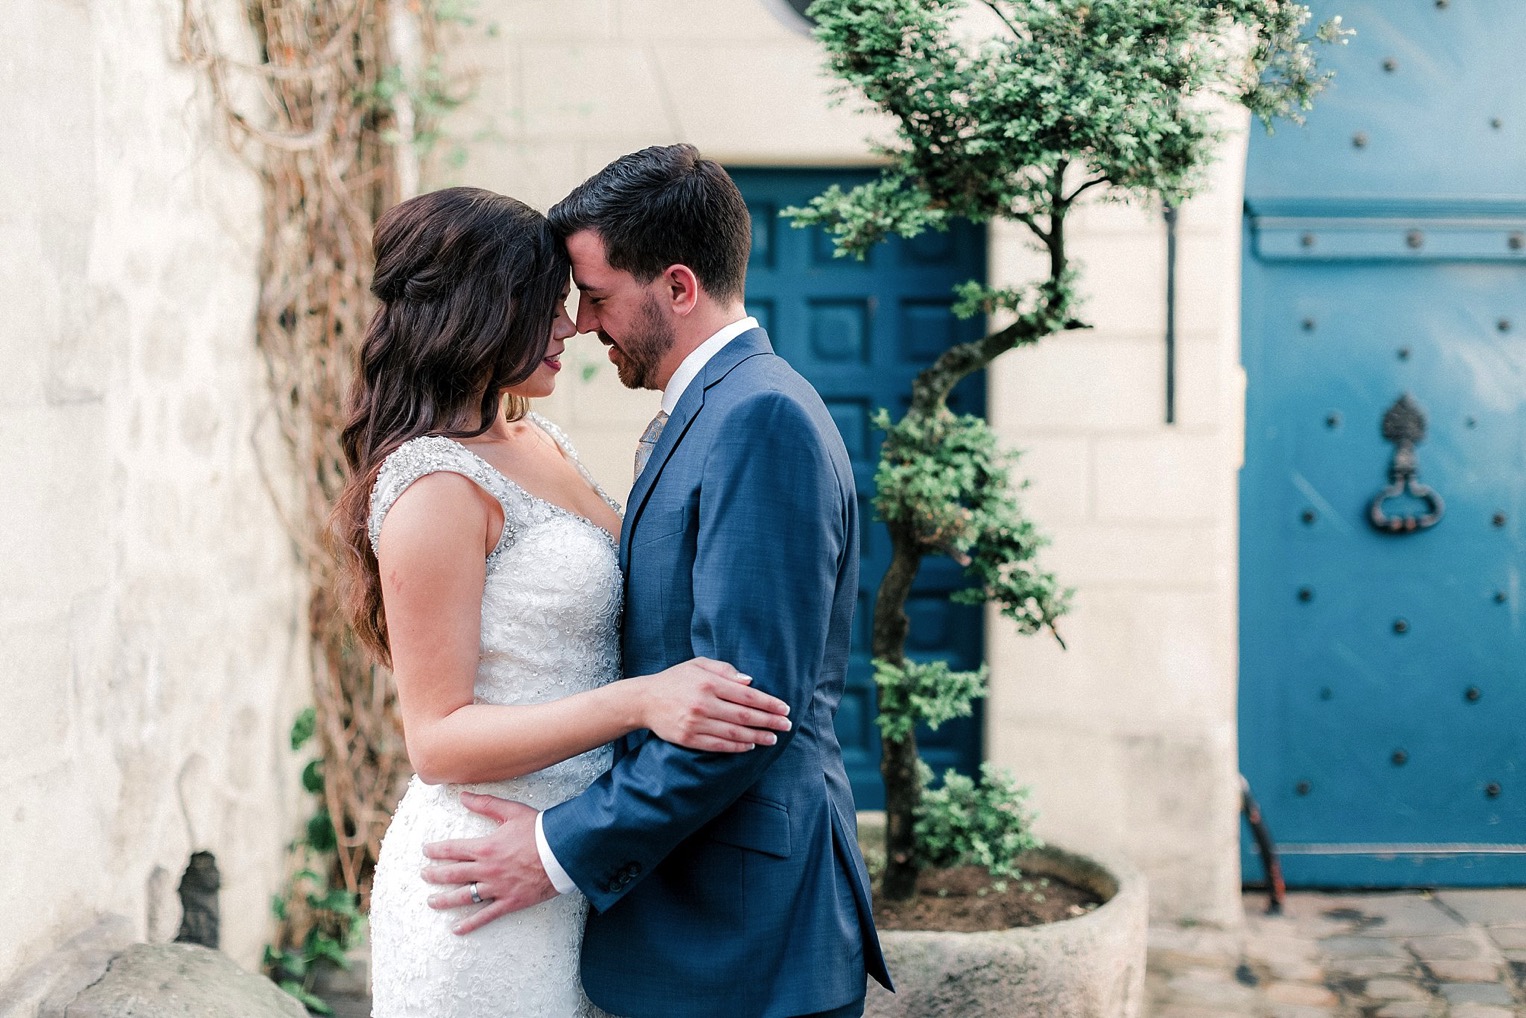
<point>860,330</point>
<point>1383,672</point>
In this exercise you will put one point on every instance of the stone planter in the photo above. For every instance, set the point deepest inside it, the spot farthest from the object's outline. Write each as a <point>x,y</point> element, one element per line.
<point>1089,967</point>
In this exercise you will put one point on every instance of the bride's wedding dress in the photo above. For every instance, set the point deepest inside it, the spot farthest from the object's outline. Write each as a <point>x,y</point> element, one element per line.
<point>550,627</point>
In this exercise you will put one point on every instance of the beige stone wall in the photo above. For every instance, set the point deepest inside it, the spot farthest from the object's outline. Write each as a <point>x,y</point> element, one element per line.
<point>151,615</point>
<point>1128,738</point>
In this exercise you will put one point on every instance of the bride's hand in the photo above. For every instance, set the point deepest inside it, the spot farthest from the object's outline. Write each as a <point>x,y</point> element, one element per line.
<point>708,705</point>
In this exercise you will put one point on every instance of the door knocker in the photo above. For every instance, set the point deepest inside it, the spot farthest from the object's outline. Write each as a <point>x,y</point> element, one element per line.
<point>1404,426</point>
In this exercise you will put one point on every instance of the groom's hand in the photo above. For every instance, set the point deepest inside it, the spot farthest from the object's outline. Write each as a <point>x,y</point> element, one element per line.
<point>504,865</point>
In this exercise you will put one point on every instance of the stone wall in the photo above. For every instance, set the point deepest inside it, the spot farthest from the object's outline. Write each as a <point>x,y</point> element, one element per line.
<point>1128,738</point>
<point>152,616</point>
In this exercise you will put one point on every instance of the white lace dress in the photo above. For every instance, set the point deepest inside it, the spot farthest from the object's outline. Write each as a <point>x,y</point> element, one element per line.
<point>550,627</point>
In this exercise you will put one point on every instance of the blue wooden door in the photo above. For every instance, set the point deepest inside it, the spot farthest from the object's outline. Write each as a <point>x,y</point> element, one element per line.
<point>860,331</point>
<point>1383,658</point>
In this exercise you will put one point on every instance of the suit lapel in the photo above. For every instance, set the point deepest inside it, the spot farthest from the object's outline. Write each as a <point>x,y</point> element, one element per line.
<point>748,344</point>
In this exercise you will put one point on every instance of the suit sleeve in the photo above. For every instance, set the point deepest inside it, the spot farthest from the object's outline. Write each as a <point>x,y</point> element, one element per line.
<point>770,543</point>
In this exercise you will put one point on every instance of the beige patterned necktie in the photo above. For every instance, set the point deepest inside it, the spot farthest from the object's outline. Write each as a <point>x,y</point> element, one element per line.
<point>649,439</point>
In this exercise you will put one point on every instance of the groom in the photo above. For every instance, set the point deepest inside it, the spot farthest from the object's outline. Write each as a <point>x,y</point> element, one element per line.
<point>720,883</point>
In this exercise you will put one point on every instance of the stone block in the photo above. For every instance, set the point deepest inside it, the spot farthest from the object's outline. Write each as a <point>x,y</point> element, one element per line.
<point>1174,949</point>
<point>1296,971</point>
<point>1477,993</point>
<point>1059,475</point>
<point>1366,968</point>
<point>1495,906</point>
<point>1123,282</point>
<point>1115,636</point>
<point>592,89</point>
<point>543,20</point>
<point>1473,970</point>
<point>178,981</point>
<point>1305,994</point>
<point>1510,938</point>
<point>790,118</point>
<point>1210,388</point>
<point>1484,1011</point>
<point>1402,914</point>
<point>1405,1009</point>
<point>1208,287</point>
<point>1164,477</point>
<point>1094,556</point>
<point>1277,1010</point>
<point>1279,949</point>
<point>1394,989</point>
<point>1444,948</point>
<point>1015,256</point>
<point>1079,384</point>
<point>1361,947</point>
<point>1212,991</point>
<point>707,21</point>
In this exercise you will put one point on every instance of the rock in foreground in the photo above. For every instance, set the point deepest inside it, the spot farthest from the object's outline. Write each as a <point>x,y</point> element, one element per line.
<point>179,981</point>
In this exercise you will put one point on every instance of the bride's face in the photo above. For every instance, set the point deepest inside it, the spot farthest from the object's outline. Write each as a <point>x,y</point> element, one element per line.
<point>543,381</point>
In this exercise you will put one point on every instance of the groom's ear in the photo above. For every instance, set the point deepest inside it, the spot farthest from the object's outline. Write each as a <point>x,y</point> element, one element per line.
<point>682,287</point>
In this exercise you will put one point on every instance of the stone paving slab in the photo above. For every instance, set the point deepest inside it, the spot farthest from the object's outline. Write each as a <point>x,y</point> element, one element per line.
<point>1503,906</point>
<point>1414,954</point>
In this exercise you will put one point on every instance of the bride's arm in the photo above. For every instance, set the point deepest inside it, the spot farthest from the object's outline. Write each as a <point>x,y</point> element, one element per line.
<point>432,563</point>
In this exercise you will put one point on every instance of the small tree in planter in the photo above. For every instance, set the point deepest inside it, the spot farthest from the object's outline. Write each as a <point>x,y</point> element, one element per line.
<point>1014,123</point>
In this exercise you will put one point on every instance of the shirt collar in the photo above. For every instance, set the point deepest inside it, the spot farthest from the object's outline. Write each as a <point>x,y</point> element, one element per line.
<point>693,364</point>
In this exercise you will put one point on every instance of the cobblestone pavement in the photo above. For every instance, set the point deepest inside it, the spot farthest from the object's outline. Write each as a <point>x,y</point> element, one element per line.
<point>1410,954</point>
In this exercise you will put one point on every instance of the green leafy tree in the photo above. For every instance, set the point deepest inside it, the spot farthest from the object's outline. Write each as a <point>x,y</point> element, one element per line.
<point>1013,110</point>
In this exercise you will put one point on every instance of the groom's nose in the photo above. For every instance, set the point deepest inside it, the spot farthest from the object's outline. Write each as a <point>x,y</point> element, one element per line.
<point>587,322</point>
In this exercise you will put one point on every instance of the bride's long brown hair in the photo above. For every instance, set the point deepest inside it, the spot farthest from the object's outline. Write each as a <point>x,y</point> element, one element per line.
<point>468,282</point>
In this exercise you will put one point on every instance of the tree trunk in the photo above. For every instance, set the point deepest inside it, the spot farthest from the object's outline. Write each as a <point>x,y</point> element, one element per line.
<point>898,757</point>
<point>903,796</point>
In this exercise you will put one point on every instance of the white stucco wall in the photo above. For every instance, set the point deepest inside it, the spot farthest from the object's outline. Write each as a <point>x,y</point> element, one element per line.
<point>1127,738</point>
<point>151,614</point>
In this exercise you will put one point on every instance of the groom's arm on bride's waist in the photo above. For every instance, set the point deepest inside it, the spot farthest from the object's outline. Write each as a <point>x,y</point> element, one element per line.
<point>773,525</point>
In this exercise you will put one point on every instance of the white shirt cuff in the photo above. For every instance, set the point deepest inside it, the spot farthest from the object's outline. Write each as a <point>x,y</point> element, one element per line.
<point>559,878</point>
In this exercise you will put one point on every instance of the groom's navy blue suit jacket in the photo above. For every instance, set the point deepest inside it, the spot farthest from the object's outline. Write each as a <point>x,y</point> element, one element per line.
<point>732,883</point>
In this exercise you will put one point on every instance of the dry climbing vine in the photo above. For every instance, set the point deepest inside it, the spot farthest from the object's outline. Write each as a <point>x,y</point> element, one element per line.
<point>327,110</point>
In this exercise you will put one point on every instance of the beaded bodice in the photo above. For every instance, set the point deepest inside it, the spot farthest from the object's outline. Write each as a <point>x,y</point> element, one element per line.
<point>551,605</point>
<point>551,599</point>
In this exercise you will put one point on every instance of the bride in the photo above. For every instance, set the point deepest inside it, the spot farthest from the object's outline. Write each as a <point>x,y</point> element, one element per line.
<point>481,565</point>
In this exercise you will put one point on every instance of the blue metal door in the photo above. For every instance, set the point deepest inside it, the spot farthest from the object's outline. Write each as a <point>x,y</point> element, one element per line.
<point>1383,656</point>
<point>860,331</point>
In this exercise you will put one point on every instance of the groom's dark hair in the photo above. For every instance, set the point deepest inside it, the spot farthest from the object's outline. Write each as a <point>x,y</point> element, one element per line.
<point>663,206</point>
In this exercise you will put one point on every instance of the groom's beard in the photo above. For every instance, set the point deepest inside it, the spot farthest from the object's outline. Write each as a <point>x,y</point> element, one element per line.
<point>642,349</point>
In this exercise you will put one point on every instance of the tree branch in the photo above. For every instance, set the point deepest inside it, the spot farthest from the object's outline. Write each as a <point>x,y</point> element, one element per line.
<point>996,9</point>
<point>1070,199</point>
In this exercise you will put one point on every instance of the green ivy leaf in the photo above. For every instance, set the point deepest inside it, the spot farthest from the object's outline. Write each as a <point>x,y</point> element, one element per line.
<point>320,832</point>
<point>312,776</point>
<point>303,728</point>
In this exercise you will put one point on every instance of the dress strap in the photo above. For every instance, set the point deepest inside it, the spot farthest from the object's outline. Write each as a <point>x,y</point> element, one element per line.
<point>565,444</point>
<point>429,454</point>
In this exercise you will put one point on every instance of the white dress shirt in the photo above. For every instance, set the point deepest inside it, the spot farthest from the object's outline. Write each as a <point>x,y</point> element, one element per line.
<point>688,370</point>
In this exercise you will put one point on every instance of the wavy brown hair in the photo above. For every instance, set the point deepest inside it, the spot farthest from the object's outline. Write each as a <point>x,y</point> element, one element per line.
<point>468,282</point>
